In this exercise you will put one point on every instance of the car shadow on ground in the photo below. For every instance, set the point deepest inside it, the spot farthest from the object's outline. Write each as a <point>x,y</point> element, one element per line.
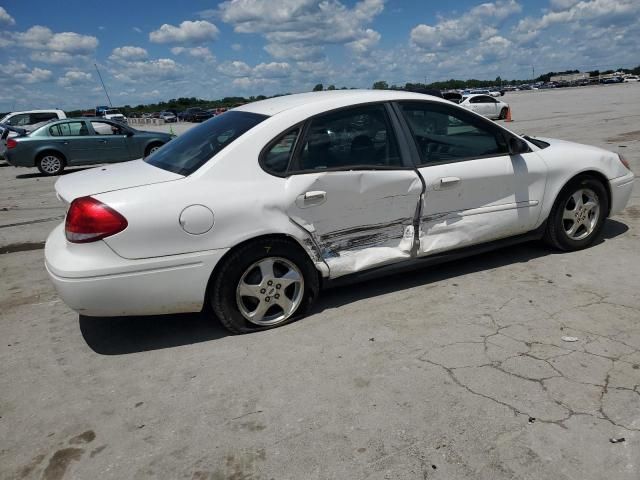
<point>41,175</point>
<point>124,335</point>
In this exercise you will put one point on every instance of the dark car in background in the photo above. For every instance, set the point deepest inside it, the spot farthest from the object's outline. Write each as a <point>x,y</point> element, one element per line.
<point>81,141</point>
<point>196,115</point>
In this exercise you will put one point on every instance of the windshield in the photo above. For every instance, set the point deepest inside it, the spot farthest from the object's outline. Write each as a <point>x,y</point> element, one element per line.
<point>188,152</point>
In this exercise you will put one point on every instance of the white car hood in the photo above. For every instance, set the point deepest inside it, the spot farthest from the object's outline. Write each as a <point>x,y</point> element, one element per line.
<point>111,177</point>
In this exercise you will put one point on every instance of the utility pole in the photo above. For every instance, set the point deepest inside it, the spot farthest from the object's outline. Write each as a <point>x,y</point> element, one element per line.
<point>105,88</point>
<point>533,74</point>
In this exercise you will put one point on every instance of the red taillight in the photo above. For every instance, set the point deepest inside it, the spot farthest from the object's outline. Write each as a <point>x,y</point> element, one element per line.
<point>11,143</point>
<point>624,161</point>
<point>89,220</point>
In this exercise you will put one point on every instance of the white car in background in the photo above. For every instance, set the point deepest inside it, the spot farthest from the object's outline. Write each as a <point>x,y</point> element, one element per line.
<point>254,211</point>
<point>485,105</point>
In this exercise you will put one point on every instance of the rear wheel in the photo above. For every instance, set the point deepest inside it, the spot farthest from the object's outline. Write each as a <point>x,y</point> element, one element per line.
<point>577,217</point>
<point>263,284</point>
<point>50,164</point>
<point>503,113</point>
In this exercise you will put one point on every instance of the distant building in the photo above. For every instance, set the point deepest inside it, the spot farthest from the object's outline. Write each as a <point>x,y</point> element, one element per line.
<point>571,77</point>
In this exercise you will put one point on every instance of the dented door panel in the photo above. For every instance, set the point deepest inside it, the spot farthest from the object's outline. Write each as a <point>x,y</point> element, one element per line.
<point>493,198</point>
<point>358,219</point>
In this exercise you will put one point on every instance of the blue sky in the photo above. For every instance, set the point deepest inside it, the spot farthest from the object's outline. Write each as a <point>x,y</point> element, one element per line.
<point>157,50</point>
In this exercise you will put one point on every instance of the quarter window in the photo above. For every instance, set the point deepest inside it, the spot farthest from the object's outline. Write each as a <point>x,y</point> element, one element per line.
<point>357,137</point>
<point>276,159</point>
<point>444,134</point>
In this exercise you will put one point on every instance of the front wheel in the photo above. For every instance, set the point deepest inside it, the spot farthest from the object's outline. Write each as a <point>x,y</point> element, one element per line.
<point>578,215</point>
<point>152,148</point>
<point>503,114</point>
<point>50,164</point>
<point>263,284</point>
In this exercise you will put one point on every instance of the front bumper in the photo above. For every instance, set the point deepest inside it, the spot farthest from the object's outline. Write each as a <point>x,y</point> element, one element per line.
<point>621,189</point>
<point>93,280</point>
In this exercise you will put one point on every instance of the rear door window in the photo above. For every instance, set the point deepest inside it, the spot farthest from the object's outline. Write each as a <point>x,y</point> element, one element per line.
<point>358,137</point>
<point>68,129</point>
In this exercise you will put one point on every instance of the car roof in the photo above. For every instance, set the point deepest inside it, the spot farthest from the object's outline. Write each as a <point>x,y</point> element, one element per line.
<point>37,111</point>
<point>317,101</point>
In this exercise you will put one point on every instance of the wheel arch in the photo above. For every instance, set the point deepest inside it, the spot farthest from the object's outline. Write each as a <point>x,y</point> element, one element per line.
<point>150,143</point>
<point>280,236</point>
<point>588,173</point>
<point>48,150</point>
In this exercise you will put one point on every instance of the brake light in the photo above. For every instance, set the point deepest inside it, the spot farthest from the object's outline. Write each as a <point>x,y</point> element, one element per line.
<point>89,220</point>
<point>11,143</point>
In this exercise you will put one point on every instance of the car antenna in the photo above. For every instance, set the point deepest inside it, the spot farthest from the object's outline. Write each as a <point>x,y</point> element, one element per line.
<point>105,88</point>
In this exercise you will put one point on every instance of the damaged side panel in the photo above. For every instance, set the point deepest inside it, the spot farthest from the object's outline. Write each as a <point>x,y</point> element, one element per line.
<point>357,219</point>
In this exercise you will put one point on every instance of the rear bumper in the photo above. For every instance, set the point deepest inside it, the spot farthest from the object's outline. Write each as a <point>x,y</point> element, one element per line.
<point>93,280</point>
<point>621,189</point>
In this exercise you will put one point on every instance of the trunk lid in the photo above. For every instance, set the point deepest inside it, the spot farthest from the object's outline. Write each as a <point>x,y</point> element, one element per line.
<point>110,178</point>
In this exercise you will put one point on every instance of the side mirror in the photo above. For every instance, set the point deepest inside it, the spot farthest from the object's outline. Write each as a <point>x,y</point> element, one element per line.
<point>517,146</point>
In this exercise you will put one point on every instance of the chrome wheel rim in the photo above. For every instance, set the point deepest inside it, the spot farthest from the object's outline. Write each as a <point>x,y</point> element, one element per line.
<point>581,214</point>
<point>270,291</point>
<point>50,164</point>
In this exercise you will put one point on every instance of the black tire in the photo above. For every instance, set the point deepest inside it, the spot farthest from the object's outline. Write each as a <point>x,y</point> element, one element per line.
<point>50,163</point>
<point>556,235</point>
<point>222,294</point>
<point>503,114</point>
<point>153,146</point>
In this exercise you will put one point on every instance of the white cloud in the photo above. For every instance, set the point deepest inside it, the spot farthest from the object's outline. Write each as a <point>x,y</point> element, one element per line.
<point>235,68</point>
<point>299,29</point>
<point>475,25</point>
<point>6,18</point>
<point>272,70</point>
<point>74,77</point>
<point>202,53</point>
<point>137,29</point>
<point>148,70</point>
<point>21,73</point>
<point>53,58</point>
<point>240,69</point>
<point>128,53</point>
<point>42,38</point>
<point>199,31</point>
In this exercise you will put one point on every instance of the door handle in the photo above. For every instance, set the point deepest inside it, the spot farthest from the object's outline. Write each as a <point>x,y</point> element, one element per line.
<point>447,182</point>
<point>310,199</point>
<point>313,196</point>
<point>102,141</point>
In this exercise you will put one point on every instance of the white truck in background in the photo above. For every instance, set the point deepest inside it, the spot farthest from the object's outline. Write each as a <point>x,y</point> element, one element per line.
<point>28,120</point>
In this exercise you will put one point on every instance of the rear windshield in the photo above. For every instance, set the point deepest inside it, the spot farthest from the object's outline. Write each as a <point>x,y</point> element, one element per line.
<point>188,152</point>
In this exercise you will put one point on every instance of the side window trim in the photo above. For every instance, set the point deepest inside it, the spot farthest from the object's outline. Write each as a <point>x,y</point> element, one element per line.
<point>488,124</point>
<point>302,137</point>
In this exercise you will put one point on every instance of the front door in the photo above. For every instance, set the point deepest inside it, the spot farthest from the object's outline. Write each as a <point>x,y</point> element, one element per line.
<point>351,190</point>
<point>475,191</point>
<point>110,141</point>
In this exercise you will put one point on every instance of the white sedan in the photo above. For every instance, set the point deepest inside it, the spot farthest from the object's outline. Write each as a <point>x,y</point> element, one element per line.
<point>254,211</point>
<point>486,105</point>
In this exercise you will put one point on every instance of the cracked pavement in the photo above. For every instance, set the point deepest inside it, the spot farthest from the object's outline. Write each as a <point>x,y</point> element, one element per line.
<point>453,372</point>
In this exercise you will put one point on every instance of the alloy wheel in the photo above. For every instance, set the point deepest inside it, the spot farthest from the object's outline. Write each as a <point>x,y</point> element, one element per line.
<point>270,291</point>
<point>51,164</point>
<point>581,213</point>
